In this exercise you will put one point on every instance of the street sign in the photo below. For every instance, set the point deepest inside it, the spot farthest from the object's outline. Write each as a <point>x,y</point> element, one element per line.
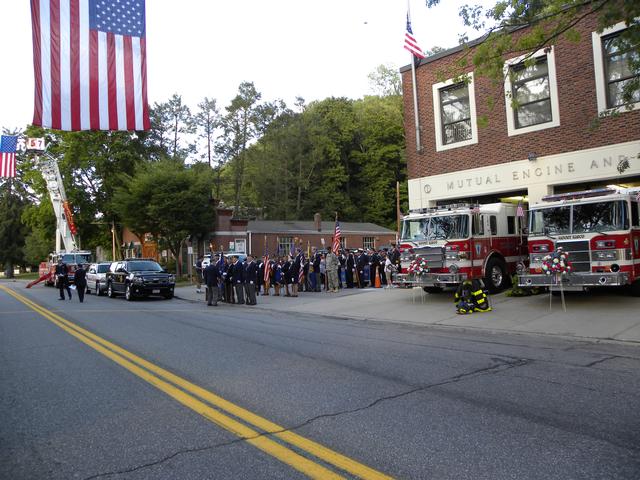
<point>190,250</point>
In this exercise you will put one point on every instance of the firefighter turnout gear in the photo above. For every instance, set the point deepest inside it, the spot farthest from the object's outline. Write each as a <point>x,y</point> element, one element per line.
<point>470,297</point>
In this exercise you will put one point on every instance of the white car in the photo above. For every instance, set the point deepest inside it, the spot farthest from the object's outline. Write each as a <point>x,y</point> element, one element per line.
<point>96,277</point>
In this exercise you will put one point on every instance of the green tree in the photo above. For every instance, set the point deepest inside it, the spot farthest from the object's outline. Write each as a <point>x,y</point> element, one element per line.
<point>240,129</point>
<point>171,128</point>
<point>385,80</point>
<point>176,202</point>
<point>12,230</point>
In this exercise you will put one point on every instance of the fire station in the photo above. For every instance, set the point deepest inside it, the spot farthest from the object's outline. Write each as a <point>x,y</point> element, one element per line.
<point>569,130</point>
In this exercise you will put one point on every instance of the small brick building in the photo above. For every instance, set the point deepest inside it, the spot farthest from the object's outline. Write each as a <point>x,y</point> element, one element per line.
<point>244,236</point>
<point>547,144</point>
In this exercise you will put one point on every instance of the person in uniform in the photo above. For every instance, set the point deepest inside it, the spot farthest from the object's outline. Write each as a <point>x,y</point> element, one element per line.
<point>80,280</point>
<point>315,276</point>
<point>238,279</point>
<point>250,279</point>
<point>374,267</point>
<point>62,279</point>
<point>211,276</point>
<point>227,276</point>
<point>286,278</point>
<point>277,276</point>
<point>350,265</point>
<point>332,272</point>
<point>198,267</point>
<point>294,272</point>
<point>361,262</point>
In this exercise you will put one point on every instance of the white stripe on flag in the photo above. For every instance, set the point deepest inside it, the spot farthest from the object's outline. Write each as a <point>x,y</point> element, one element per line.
<point>103,81</point>
<point>45,61</point>
<point>65,65</point>
<point>85,112</point>
<point>121,95</point>
<point>137,81</point>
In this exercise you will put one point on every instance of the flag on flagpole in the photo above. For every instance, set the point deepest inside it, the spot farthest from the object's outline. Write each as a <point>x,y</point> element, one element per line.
<point>410,43</point>
<point>475,209</point>
<point>520,210</point>
<point>301,271</point>
<point>8,146</point>
<point>90,64</point>
<point>335,248</point>
<point>267,269</point>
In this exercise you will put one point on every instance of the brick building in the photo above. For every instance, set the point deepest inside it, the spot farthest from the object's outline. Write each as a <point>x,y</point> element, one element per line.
<point>547,144</point>
<point>250,235</point>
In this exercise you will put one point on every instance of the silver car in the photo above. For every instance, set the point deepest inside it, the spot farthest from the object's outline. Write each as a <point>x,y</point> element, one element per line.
<point>96,277</point>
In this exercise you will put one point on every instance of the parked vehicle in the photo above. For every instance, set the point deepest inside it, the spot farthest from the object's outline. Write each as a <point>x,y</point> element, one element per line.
<point>138,277</point>
<point>598,229</point>
<point>446,245</point>
<point>97,277</point>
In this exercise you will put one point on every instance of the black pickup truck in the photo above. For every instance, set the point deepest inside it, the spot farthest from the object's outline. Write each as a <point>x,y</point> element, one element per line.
<point>139,277</point>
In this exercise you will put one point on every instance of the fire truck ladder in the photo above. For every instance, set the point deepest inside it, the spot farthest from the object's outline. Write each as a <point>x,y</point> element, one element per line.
<point>51,173</point>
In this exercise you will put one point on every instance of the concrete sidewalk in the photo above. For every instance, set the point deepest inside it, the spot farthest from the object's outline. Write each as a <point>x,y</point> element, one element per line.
<point>605,315</point>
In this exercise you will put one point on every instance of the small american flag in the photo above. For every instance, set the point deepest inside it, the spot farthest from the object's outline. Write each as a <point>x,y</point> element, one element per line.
<point>519,210</point>
<point>638,196</point>
<point>335,248</point>
<point>410,42</point>
<point>8,145</point>
<point>90,64</point>
<point>475,209</point>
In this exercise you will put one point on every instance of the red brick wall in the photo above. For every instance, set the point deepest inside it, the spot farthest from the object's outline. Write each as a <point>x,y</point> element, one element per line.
<point>577,99</point>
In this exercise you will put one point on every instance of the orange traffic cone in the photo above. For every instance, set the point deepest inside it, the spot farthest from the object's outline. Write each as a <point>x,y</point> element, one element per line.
<point>377,283</point>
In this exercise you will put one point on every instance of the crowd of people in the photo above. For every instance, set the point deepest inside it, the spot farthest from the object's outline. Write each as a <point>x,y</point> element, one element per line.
<point>233,281</point>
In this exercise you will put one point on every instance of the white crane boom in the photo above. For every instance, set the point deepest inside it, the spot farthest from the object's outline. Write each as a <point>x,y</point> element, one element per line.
<point>51,173</point>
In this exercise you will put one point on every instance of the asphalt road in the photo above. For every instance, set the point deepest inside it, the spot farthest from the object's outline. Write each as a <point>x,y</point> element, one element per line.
<point>230,392</point>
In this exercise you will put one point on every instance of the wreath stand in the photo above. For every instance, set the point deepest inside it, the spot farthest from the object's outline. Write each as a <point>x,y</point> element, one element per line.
<point>558,280</point>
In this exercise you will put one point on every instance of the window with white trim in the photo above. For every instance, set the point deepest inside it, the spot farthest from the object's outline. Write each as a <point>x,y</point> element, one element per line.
<point>454,113</point>
<point>284,245</point>
<point>611,62</point>
<point>531,93</point>
<point>368,242</point>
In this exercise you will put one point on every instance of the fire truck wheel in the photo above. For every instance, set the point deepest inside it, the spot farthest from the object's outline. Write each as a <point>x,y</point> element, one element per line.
<point>635,288</point>
<point>432,289</point>
<point>496,278</point>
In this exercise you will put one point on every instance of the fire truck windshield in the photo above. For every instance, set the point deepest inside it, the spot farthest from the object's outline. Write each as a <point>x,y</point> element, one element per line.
<point>600,217</point>
<point>76,258</point>
<point>436,228</point>
<point>587,218</point>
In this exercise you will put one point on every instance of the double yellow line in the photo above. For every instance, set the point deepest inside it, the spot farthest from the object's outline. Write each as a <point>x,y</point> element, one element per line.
<point>202,401</point>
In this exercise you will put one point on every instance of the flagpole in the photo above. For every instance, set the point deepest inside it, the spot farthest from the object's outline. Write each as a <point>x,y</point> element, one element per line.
<point>416,117</point>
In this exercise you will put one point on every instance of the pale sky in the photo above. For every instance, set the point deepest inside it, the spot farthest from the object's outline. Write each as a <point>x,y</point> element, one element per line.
<point>288,48</point>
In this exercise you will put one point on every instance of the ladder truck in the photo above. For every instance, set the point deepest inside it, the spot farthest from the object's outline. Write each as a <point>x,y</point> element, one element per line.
<point>66,245</point>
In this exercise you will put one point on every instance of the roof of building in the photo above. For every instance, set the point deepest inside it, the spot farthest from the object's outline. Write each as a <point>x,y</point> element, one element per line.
<point>301,227</point>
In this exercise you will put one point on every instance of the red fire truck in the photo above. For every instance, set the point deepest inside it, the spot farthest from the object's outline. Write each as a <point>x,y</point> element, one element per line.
<point>598,229</point>
<point>447,245</point>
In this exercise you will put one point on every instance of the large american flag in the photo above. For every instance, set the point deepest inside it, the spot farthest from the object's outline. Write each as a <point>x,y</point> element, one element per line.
<point>336,238</point>
<point>410,43</point>
<point>8,145</point>
<point>90,66</point>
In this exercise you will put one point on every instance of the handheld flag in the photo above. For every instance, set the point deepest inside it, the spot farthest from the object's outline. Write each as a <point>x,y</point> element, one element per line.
<point>410,42</point>
<point>335,248</point>
<point>90,64</point>
<point>8,146</point>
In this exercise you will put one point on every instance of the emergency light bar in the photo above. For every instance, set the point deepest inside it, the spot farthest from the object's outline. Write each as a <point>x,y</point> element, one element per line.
<point>597,192</point>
